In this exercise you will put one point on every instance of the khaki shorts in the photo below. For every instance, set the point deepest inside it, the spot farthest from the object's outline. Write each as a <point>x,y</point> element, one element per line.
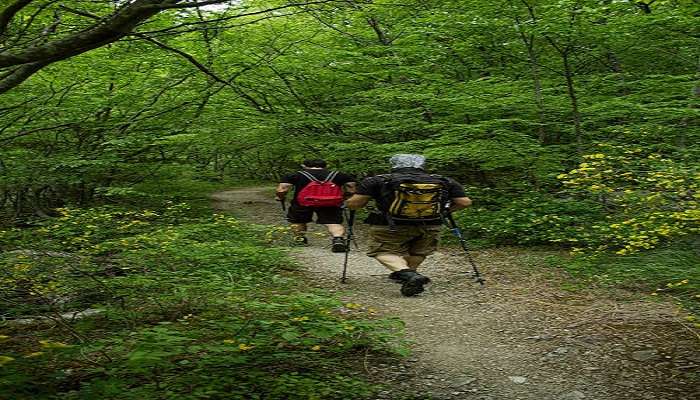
<point>406,240</point>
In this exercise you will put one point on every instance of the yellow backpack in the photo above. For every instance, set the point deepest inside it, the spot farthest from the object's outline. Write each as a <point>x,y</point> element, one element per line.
<point>414,197</point>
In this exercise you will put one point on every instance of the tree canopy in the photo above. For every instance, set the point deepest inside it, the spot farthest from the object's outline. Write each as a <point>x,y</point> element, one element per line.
<point>100,96</point>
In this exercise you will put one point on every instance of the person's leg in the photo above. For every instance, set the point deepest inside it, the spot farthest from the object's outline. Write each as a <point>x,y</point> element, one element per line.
<point>423,244</point>
<point>336,230</point>
<point>338,244</point>
<point>390,248</point>
<point>393,262</point>
<point>298,218</point>
<point>414,261</point>
<point>299,231</point>
<point>332,218</point>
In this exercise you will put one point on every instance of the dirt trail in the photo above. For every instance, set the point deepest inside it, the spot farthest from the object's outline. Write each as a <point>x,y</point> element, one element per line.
<point>522,336</point>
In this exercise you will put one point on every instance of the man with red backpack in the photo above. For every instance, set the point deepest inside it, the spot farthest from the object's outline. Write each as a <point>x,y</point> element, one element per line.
<point>411,205</point>
<point>317,191</point>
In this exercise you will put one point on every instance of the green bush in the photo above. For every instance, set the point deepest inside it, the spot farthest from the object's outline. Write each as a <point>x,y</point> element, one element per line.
<point>185,307</point>
<point>532,220</point>
<point>670,270</point>
<point>624,199</point>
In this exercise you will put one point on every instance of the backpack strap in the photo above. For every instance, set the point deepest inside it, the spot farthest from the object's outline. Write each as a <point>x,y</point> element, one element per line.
<point>309,176</point>
<point>384,209</point>
<point>312,178</point>
<point>331,176</point>
<point>445,199</point>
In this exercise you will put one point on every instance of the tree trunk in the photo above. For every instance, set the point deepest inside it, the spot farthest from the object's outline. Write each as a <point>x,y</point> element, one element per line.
<point>571,90</point>
<point>537,83</point>
<point>533,59</point>
<point>381,35</point>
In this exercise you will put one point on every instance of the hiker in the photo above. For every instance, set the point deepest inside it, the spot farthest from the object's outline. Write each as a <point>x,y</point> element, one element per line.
<point>410,209</point>
<point>320,191</point>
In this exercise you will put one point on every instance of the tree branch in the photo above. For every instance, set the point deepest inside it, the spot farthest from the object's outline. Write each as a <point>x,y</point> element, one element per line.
<point>30,131</point>
<point>117,26</point>
<point>79,12</point>
<point>19,75</point>
<point>20,33</point>
<point>106,30</point>
<point>245,14</point>
<point>645,7</point>
<point>208,72</point>
<point>9,12</point>
<point>190,5</point>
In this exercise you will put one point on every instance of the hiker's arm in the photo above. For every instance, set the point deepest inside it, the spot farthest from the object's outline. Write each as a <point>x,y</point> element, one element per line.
<point>458,203</point>
<point>282,190</point>
<point>350,187</point>
<point>357,201</point>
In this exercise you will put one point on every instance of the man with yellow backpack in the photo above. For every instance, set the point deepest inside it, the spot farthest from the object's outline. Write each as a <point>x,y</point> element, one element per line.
<point>411,206</point>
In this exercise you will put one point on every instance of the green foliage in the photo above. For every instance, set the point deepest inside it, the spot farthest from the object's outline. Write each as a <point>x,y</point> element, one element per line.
<point>624,199</point>
<point>669,270</point>
<point>175,306</point>
<point>650,198</point>
<point>572,124</point>
<point>530,220</point>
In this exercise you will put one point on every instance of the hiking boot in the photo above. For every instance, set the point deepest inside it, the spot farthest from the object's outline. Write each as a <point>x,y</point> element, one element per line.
<point>301,241</point>
<point>397,277</point>
<point>338,245</point>
<point>413,282</point>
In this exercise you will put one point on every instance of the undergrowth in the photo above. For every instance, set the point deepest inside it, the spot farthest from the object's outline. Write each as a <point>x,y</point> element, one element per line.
<point>176,306</point>
<point>667,272</point>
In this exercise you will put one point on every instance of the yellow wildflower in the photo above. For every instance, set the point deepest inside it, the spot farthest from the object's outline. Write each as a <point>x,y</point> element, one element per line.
<point>244,347</point>
<point>47,344</point>
<point>5,359</point>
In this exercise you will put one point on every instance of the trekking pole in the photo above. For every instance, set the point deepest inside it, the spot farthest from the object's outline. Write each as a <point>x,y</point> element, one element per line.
<point>458,232</point>
<point>348,240</point>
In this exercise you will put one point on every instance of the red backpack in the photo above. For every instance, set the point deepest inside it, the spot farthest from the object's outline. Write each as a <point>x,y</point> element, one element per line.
<point>320,193</point>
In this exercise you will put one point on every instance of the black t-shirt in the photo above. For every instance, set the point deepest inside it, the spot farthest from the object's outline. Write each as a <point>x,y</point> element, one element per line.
<point>372,186</point>
<point>299,180</point>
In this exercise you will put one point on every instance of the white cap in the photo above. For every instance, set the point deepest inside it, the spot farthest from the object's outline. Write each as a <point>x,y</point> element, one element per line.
<point>407,161</point>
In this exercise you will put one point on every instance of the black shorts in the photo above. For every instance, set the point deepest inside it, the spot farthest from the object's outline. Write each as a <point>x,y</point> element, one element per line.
<point>324,215</point>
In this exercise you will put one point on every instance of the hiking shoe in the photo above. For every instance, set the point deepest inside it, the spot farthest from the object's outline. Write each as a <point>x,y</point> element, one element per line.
<point>301,241</point>
<point>413,284</point>
<point>397,277</point>
<point>338,245</point>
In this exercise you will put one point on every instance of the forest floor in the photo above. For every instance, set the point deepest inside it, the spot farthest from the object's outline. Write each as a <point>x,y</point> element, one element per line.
<point>529,333</point>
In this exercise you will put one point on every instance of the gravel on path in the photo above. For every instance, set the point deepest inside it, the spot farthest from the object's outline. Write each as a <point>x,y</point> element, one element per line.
<point>520,337</point>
